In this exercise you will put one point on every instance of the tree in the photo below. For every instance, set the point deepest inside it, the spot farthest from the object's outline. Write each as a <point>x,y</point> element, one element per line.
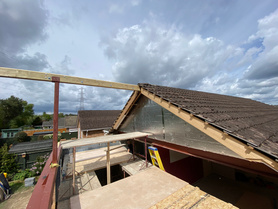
<point>22,137</point>
<point>8,162</point>
<point>46,116</point>
<point>15,112</point>
<point>37,121</point>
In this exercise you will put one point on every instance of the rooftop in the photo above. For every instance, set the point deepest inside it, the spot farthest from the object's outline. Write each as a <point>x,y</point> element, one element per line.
<point>248,120</point>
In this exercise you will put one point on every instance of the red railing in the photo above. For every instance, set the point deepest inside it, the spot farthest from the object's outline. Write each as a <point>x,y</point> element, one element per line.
<point>42,196</point>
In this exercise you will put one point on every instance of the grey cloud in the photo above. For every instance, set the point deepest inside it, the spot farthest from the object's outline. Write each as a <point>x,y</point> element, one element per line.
<point>22,23</point>
<point>266,64</point>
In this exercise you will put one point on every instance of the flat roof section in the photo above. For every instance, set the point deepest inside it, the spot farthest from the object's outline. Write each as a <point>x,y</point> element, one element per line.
<point>151,187</point>
<point>102,139</point>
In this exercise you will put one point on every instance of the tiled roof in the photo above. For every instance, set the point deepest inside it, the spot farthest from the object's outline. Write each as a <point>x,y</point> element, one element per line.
<point>253,122</point>
<point>32,146</point>
<point>69,121</point>
<point>97,119</point>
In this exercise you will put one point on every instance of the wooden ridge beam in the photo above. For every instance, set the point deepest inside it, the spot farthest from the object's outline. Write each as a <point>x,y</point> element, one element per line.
<point>41,76</point>
<point>228,141</point>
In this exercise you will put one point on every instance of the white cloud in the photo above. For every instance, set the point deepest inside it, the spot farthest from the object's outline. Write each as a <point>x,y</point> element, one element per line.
<point>154,54</point>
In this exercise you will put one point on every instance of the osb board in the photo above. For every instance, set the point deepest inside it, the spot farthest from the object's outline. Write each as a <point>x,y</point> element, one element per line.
<point>141,191</point>
<point>133,167</point>
<point>192,197</point>
<point>98,163</point>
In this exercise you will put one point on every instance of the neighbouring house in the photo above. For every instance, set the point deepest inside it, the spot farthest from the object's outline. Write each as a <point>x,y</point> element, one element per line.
<point>68,122</point>
<point>94,122</point>
<point>9,133</point>
<point>28,152</point>
<point>223,144</point>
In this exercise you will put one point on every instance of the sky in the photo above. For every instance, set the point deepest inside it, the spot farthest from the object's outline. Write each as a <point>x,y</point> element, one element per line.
<point>220,46</point>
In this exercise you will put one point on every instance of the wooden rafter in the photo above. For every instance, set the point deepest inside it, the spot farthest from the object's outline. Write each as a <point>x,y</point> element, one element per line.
<point>228,141</point>
<point>131,101</point>
<point>41,76</point>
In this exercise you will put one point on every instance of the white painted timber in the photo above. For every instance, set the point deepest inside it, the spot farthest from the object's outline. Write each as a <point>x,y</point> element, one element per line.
<point>102,139</point>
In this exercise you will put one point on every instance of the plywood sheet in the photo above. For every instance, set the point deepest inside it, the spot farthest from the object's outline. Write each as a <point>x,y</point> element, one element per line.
<point>102,139</point>
<point>141,190</point>
<point>132,167</point>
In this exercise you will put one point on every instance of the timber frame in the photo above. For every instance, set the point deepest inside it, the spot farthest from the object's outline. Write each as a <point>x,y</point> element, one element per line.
<point>41,76</point>
<point>244,150</point>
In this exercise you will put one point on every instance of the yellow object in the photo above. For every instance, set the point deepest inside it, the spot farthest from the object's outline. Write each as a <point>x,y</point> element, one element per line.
<point>156,157</point>
<point>52,165</point>
<point>5,174</point>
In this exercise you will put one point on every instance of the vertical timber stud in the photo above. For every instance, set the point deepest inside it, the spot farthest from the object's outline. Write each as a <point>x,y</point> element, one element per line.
<point>108,163</point>
<point>56,80</point>
<point>146,152</point>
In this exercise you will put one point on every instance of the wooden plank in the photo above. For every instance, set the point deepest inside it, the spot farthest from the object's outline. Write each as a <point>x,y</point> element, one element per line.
<point>102,139</point>
<point>108,163</point>
<point>133,167</point>
<point>97,153</point>
<point>230,142</point>
<point>142,191</point>
<point>41,76</point>
<point>99,163</point>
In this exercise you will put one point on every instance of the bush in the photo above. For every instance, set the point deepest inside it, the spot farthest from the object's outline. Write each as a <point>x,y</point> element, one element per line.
<point>22,174</point>
<point>38,166</point>
<point>22,137</point>
<point>8,162</point>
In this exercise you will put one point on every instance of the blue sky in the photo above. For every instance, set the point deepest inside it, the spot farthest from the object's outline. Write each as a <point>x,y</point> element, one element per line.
<point>226,47</point>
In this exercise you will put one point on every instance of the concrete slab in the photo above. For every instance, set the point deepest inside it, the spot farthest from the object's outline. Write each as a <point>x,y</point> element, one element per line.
<point>141,190</point>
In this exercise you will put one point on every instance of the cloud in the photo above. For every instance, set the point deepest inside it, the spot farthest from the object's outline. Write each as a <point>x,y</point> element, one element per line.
<point>266,64</point>
<point>22,23</point>
<point>155,54</point>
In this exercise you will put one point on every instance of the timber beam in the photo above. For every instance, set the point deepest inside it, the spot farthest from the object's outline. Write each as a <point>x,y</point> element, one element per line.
<point>223,138</point>
<point>41,76</point>
<point>134,97</point>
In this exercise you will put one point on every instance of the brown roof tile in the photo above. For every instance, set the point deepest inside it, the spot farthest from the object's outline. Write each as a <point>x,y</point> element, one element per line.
<point>251,121</point>
<point>97,119</point>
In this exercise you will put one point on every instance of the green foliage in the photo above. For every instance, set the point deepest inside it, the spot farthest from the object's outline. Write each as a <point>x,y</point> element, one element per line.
<point>38,166</point>
<point>22,174</point>
<point>22,137</point>
<point>37,121</point>
<point>15,112</point>
<point>8,162</point>
<point>50,136</point>
<point>46,116</point>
